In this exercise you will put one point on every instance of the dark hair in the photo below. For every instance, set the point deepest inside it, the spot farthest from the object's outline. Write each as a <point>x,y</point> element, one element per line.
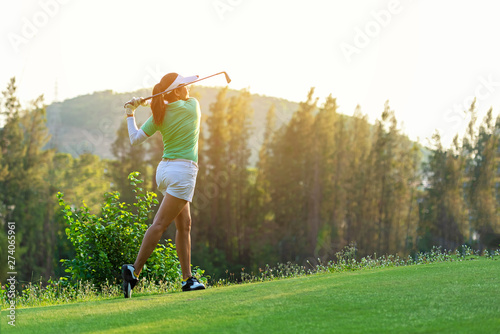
<point>158,106</point>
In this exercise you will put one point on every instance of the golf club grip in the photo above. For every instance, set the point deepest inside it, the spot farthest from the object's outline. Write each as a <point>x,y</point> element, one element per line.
<point>142,100</point>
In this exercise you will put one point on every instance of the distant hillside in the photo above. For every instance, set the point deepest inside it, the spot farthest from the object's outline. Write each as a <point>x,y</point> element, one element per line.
<point>89,123</point>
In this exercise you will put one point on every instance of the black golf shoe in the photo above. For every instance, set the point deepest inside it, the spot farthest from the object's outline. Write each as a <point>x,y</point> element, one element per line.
<point>192,284</point>
<point>129,279</point>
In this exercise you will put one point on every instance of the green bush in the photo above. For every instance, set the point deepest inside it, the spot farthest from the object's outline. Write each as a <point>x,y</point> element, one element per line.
<point>104,242</point>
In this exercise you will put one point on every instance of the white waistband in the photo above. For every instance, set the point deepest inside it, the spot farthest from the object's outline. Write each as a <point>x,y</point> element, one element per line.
<point>184,160</point>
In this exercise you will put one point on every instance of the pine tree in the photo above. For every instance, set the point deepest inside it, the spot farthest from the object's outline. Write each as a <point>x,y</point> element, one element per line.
<point>444,209</point>
<point>358,202</point>
<point>128,159</point>
<point>394,167</point>
<point>483,190</point>
<point>261,221</point>
<point>13,150</point>
<point>324,205</point>
<point>239,118</point>
<point>468,153</point>
<point>380,180</point>
<point>27,192</point>
<point>211,197</point>
<point>38,193</point>
<point>290,174</point>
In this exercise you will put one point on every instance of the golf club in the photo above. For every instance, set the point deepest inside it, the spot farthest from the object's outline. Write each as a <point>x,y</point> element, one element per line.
<point>150,97</point>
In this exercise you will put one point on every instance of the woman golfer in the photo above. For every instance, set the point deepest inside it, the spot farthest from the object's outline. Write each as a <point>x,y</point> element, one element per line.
<point>178,121</point>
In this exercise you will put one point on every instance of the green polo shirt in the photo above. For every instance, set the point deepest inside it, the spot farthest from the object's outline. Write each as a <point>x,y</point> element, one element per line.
<point>180,129</point>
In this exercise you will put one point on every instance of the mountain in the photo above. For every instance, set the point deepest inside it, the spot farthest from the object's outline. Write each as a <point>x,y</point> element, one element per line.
<point>89,123</point>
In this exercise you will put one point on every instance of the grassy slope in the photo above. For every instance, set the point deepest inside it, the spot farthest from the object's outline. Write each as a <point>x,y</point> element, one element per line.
<point>457,297</point>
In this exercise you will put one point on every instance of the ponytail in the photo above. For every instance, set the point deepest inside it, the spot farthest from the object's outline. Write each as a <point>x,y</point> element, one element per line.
<point>158,106</point>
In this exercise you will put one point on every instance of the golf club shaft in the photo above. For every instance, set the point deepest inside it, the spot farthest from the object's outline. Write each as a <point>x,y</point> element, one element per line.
<point>169,90</point>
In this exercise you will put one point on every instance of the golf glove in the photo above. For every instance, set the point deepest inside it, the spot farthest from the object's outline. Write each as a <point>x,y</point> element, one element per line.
<point>131,105</point>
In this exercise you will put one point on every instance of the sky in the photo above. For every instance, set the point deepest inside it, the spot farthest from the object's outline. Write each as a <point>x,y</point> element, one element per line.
<point>429,59</point>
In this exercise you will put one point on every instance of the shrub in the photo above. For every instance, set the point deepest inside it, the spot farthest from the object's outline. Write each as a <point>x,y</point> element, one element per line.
<point>106,241</point>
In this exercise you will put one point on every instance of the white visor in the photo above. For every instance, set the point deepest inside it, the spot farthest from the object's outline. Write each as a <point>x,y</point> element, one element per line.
<point>180,80</point>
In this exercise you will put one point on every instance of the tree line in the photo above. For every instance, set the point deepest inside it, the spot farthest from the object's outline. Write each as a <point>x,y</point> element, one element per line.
<point>323,180</point>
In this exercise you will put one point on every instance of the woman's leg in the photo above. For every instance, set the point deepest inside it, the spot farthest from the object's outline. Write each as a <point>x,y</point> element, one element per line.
<point>183,240</point>
<point>169,209</point>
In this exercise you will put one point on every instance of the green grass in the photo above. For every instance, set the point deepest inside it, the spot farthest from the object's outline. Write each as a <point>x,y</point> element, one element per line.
<point>449,297</point>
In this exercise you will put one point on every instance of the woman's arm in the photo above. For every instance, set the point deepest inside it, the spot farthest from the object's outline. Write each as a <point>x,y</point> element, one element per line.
<point>137,136</point>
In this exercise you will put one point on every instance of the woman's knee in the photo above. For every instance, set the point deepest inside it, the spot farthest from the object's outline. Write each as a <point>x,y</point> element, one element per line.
<point>160,223</point>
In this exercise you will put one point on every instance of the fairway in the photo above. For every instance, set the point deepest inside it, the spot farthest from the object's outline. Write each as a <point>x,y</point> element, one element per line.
<point>456,297</point>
